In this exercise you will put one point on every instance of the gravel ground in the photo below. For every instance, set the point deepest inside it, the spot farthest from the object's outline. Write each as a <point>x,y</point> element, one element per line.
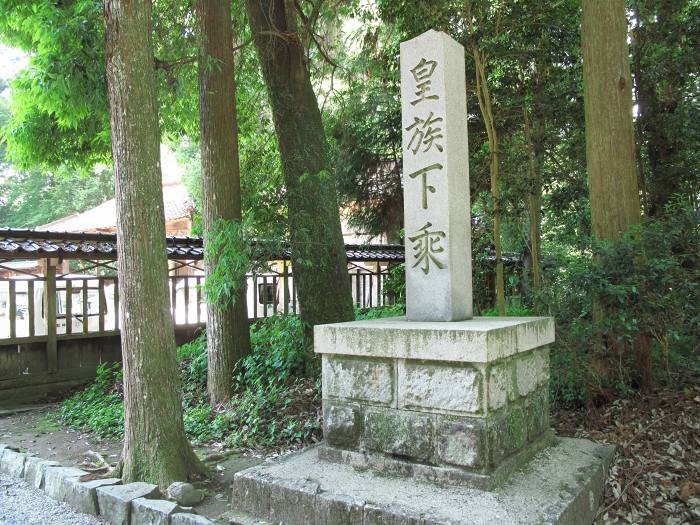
<point>21,504</point>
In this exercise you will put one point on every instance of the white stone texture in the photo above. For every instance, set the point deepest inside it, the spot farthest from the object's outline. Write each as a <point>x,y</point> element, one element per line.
<point>12,463</point>
<point>332,509</point>
<point>115,501</point>
<point>478,340</point>
<point>34,468</point>
<point>400,433</point>
<point>294,502</point>
<point>184,493</point>
<point>358,379</point>
<point>501,388</point>
<point>538,332</point>
<point>436,179</point>
<point>186,518</point>
<point>55,479</point>
<point>83,496</point>
<point>554,488</point>
<point>531,371</point>
<point>152,511</point>
<point>462,444</point>
<point>439,387</point>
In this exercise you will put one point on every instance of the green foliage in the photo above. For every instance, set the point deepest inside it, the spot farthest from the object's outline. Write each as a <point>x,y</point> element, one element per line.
<point>192,359</point>
<point>648,285</point>
<point>272,407</point>
<point>395,284</point>
<point>35,197</point>
<point>395,310</point>
<point>100,406</point>
<point>59,102</point>
<point>277,355</point>
<point>228,246</point>
<point>512,310</point>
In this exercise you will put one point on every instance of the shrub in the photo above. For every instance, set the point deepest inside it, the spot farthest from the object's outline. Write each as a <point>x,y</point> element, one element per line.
<point>277,353</point>
<point>648,286</point>
<point>99,407</point>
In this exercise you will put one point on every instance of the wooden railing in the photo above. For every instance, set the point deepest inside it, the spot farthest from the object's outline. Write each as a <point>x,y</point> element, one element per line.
<point>48,307</point>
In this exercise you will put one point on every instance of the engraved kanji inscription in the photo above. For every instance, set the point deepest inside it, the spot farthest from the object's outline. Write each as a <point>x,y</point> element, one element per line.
<point>426,246</point>
<point>423,172</point>
<point>425,133</point>
<point>422,73</point>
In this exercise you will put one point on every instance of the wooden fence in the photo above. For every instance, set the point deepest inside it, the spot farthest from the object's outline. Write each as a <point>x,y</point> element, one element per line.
<point>47,306</point>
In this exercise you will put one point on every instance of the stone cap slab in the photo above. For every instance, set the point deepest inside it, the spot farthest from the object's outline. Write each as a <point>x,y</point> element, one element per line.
<point>478,340</point>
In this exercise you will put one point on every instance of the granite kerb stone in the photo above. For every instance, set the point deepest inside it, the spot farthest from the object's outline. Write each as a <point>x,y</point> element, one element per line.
<point>12,463</point>
<point>146,511</point>
<point>104,497</point>
<point>56,480</point>
<point>82,496</point>
<point>34,469</point>
<point>115,501</point>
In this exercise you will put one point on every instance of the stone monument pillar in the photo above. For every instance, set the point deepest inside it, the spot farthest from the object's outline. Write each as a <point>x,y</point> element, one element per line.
<point>436,396</point>
<point>436,179</point>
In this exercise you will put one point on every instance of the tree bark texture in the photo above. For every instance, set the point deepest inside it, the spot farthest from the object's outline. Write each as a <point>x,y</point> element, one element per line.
<point>484,97</point>
<point>228,334</point>
<point>155,447</point>
<point>610,145</point>
<point>665,178</point>
<point>318,254</point>
<point>534,202</point>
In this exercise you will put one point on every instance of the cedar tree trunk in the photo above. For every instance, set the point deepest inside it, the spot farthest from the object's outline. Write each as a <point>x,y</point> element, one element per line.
<point>228,335</point>
<point>610,146</point>
<point>319,260</point>
<point>484,96</point>
<point>610,141</point>
<point>155,447</point>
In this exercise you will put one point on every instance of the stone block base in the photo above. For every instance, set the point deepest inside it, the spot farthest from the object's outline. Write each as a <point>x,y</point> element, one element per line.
<point>469,396</point>
<point>562,484</point>
<point>440,474</point>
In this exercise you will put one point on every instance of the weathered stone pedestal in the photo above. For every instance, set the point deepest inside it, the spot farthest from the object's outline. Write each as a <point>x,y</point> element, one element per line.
<point>462,402</point>
<point>430,423</point>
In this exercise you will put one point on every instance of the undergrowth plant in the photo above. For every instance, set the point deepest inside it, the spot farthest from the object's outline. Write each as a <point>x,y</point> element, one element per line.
<point>100,407</point>
<point>273,405</point>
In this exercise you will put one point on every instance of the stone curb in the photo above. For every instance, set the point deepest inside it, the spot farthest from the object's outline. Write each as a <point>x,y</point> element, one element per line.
<point>130,504</point>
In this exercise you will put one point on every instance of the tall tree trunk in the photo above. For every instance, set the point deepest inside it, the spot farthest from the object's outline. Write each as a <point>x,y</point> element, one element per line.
<point>610,143</point>
<point>228,334</point>
<point>610,148</point>
<point>318,254</point>
<point>534,203</point>
<point>664,180</point>
<point>484,97</point>
<point>155,446</point>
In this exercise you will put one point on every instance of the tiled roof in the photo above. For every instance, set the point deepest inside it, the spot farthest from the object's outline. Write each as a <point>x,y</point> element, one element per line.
<point>176,205</point>
<point>32,244</point>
